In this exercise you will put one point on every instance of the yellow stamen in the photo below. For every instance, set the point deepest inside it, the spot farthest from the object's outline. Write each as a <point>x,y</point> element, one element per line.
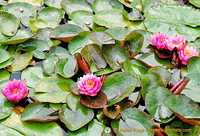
<point>15,90</point>
<point>161,39</point>
<point>90,84</point>
<point>188,52</point>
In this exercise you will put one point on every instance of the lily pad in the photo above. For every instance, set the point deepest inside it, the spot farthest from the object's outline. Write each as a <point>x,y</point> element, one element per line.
<point>183,107</point>
<point>53,89</point>
<point>67,67</point>
<point>154,101</point>
<point>21,62</point>
<point>79,42</point>
<point>53,3</point>
<point>23,11</point>
<point>194,65</point>
<point>118,86</point>
<point>65,32</point>
<point>21,36</point>
<point>118,33</point>
<point>8,23</point>
<point>31,128</point>
<point>77,118</point>
<point>94,55</point>
<point>40,112</point>
<point>36,3</point>
<point>115,56</point>
<point>49,65</point>
<point>101,38</point>
<point>110,18</point>
<point>32,75</point>
<point>4,56</point>
<point>8,131</point>
<point>75,5</point>
<point>195,2</point>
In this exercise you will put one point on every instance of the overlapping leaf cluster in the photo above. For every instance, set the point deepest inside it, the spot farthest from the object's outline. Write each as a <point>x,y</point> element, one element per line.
<point>104,37</point>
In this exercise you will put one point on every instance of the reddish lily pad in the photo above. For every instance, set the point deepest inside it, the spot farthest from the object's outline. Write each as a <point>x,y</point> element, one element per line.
<point>40,112</point>
<point>98,101</point>
<point>112,112</point>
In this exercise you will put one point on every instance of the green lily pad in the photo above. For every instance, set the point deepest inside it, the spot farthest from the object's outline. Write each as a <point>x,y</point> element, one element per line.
<point>118,33</point>
<point>36,24</point>
<point>140,118</point>
<point>6,131</point>
<point>49,65</point>
<point>136,68</point>
<point>21,36</point>
<point>53,3</point>
<point>4,78</point>
<point>40,112</point>
<point>95,128</point>
<point>154,102</point>
<point>20,62</point>
<point>149,81</point>
<point>31,128</point>
<point>58,52</point>
<point>102,5</point>
<point>84,19</point>
<point>194,65</point>
<point>53,89</point>
<point>110,18</point>
<point>65,32</point>
<point>5,107</point>
<point>4,56</point>
<point>134,42</point>
<point>75,119</point>
<point>115,56</point>
<point>8,23</point>
<point>79,42</point>
<point>6,63</point>
<point>118,86</point>
<point>101,38</point>
<point>176,19</point>
<point>32,75</point>
<point>51,14</point>
<point>94,55</point>
<point>36,3</point>
<point>22,11</point>
<point>192,92</point>
<point>183,107</point>
<point>152,60</point>
<point>195,2</point>
<point>75,5</point>
<point>67,67</point>
<point>164,73</point>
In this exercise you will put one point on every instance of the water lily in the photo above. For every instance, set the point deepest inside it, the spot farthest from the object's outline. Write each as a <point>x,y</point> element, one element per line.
<point>187,53</point>
<point>89,85</point>
<point>159,40</point>
<point>15,90</point>
<point>177,41</point>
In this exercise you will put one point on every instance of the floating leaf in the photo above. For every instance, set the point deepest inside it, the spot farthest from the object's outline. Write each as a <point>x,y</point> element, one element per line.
<point>118,33</point>
<point>31,128</point>
<point>23,11</point>
<point>65,32</point>
<point>110,18</point>
<point>84,19</point>
<point>49,65</point>
<point>183,107</point>
<point>8,131</point>
<point>21,36</point>
<point>40,112</point>
<point>5,107</point>
<point>21,62</point>
<point>94,55</point>
<point>4,56</point>
<point>176,19</point>
<point>195,2</point>
<point>101,38</point>
<point>32,75</point>
<point>7,19</point>
<point>154,102</point>
<point>75,5</point>
<point>77,118</point>
<point>67,67</point>
<point>79,42</point>
<point>115,56</point>
<point>118,86</point>
<point>53,89</point>
<point>98,101</point>
<point>53,3</point>
<point>194,65</point>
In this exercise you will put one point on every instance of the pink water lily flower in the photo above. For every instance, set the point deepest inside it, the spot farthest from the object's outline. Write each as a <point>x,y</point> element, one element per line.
<point>158,40</point>
<point>187,53</point>
<point>15,90</point>
<point>89,85</point>
<point>177,41</point>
